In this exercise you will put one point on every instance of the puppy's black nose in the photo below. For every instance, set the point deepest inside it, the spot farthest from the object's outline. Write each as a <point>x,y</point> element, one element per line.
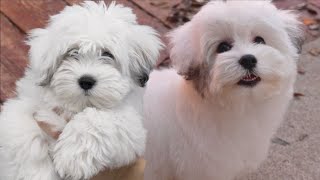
<point>86,82</point>
<point>248,61</point>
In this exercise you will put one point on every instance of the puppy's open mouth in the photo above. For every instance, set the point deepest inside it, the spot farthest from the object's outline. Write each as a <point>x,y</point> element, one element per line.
<point>249,80</point>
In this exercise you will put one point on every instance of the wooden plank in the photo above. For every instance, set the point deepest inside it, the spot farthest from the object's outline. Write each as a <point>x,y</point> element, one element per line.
<point>315,2</point>
<point>159,9</point>
<point>13,57</point>
<point>7,79</point>
<point>71,2</point>
<point>286,4</point>
<point>29,14</point>
<point>12,43</point>
<point>143,17</point>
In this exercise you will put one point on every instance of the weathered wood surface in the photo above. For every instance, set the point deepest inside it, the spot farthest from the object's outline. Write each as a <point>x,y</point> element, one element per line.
<point>29,14</point>
<point>159,9</point>
<point>13,57</point>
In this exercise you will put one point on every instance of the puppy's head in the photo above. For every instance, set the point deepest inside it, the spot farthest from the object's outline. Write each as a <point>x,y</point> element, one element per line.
<point>93,55</point>
<point>238,48</point>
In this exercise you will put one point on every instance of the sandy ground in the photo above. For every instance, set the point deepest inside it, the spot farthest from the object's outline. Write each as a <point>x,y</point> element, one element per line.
<point>295,151</point>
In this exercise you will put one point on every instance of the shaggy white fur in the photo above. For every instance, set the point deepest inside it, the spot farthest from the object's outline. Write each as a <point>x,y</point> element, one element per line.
<point>91,63</point>
<point>212,116</point>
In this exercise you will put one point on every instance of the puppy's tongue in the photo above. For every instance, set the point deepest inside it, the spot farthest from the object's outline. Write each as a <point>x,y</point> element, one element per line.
<point>249,77</point>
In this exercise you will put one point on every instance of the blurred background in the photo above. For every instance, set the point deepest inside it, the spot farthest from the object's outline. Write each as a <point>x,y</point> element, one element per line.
<point>295,152</point>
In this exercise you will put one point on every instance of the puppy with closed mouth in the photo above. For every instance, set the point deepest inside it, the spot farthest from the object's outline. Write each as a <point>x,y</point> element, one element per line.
<point>85,80</point>
<point>212,116</point>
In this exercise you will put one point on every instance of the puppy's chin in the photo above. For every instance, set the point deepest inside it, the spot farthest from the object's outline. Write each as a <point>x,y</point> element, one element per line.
<point>257,89</point>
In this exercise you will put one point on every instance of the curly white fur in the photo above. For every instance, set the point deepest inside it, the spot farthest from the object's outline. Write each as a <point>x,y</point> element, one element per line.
<point>201,123</point>
<point>99,139</point>
<point>105,128</point>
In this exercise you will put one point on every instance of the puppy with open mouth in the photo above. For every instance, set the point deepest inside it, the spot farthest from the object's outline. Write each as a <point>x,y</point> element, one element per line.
<point>212,116</point>
<point>85,80</point>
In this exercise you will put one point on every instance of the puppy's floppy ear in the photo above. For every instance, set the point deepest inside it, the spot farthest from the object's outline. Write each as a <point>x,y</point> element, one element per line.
<point>44,57</point>
<point>183,49</point>
<point>293,27</point>
<point>144,54</point>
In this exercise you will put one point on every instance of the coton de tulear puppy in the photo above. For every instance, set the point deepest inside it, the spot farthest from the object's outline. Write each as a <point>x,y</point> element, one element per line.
<point>88,67</point>
<point>212,116</point>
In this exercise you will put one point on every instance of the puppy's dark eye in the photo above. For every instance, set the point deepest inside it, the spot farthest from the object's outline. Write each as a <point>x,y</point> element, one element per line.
<point>73,52</point>
<point>259,40</point>
<point>223,47</point>
<point>107,54</point>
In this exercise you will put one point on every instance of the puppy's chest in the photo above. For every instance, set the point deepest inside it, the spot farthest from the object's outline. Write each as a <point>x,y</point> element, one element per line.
<point>223,143</point>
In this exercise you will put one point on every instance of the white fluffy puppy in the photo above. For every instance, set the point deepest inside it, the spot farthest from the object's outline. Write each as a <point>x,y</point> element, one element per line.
<point>212,117</point>
<point>87,66</point>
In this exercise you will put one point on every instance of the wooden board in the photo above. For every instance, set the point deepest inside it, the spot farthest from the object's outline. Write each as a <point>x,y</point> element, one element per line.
<point>159,9</point>
<point>13,57</point>
<point>12,43</point>
<point>7,79</point>
<point>29,14</point>
<point>285,4</point>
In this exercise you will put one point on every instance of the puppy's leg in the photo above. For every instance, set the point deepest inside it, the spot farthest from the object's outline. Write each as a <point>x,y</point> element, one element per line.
<point>24,146</point>
<point>95,140</point>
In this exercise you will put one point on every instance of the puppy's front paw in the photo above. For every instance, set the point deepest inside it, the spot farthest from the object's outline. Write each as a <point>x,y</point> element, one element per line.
<point>120,134</point>
<point>94,140</point>
<point>71,163</point>
<point>73,152</point>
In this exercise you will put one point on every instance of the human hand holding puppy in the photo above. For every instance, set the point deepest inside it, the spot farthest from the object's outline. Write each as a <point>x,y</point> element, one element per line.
<point>51,121</point>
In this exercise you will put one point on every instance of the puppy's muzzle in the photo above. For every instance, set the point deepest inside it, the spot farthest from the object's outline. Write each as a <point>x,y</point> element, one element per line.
<point>248,62</point>
<point>86,82</point>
